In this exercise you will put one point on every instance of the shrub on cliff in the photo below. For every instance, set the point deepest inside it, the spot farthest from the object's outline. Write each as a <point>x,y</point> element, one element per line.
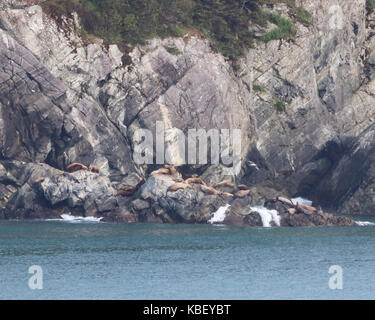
<point>284,30</point>
<point>131,22</point>
<point>370,4</point>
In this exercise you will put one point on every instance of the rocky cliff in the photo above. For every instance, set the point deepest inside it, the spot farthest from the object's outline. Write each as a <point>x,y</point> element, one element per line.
<point>305,107</point>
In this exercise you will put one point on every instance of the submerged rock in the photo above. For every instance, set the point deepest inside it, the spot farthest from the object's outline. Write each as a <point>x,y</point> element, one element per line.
<point>303,220</point>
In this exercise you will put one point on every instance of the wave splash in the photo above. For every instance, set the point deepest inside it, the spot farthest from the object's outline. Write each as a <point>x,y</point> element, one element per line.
<point>219,215</point>
<point>73,219</point>
<point>365,223</point>
<point>267,216</point>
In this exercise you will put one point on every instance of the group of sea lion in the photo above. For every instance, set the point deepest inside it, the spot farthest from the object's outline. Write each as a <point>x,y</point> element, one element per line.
<point>299,208</point>
<point>230,190</point>
<point>79,166</point>
<point>240,191</point>
<point>166,170</point>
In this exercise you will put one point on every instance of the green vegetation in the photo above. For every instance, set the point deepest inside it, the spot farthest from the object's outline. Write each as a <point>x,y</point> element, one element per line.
<point>258,88</point>
<point>131,22</point>
<point>284,30</point>
<point>173,50</point>
<point>370,4</point>
<point>301,15</point>
<point>297,12</point>
<point>280,105</point>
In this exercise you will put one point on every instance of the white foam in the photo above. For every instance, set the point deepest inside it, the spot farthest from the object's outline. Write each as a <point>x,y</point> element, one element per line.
<point>74,219</point>
<point>267,216</point>
<point>365,223</point>
<point>302,201</point>
<point>219,215</point>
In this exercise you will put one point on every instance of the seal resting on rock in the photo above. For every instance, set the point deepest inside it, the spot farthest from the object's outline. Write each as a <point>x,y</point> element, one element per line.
<point>93,168</point>
<point>160,171</point>
<point>126,191</point>
<point>310,208</point>
<point>285,201</point>
<point>226,194</point>
<point>225,186</point>
<point>76,167</point>
<point>178,186</point>
<point>225,183</point>
<point>195,180</point>
<point>243,187</point>
<point>305,209</point>
<point>208,190</point>
<point>172,169</point>
<point>242,193</point>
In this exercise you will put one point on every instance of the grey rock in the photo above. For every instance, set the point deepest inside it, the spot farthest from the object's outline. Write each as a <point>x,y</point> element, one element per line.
<point>156,187</point>
<point>180,205</point>
<point>303,220</point>
<point>139,204</point>
<point>349,184</point>
<point>45,191</point>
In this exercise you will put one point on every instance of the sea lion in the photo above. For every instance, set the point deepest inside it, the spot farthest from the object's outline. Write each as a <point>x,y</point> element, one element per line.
<point>225,186</point>
<point>160,171</point>
<point>195,180</point>
<point>309,208</point>
<point>94,169</point>
<point>178,186</point>
<point>226,194</point>
<point>242,193</point>
<point>225,183</point>
<point>208,190</point>
<point>302,209</point>
<point>75,167</point>
<point>243,187</point>
<point>285,201</point>
<point>126,191</point>
<point>172,169</point>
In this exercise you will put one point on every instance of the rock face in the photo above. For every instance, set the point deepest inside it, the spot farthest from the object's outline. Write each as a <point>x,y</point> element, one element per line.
<point>350,182</point>
<point>45,192</point>
<point>66,99</point>
<point>42,118</point>
<point>48,192</point>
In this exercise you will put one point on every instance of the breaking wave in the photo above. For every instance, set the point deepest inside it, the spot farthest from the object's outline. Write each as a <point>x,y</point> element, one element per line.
<point>219,215</point>
<point>267,216</point>
<point>365,223</point>
<point>76,219</point>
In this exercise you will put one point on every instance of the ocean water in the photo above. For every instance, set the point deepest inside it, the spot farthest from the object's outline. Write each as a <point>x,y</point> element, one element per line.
<point>95,260</point>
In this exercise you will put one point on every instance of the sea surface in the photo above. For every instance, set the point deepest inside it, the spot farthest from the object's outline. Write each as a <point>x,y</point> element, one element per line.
<point>82,259</point>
